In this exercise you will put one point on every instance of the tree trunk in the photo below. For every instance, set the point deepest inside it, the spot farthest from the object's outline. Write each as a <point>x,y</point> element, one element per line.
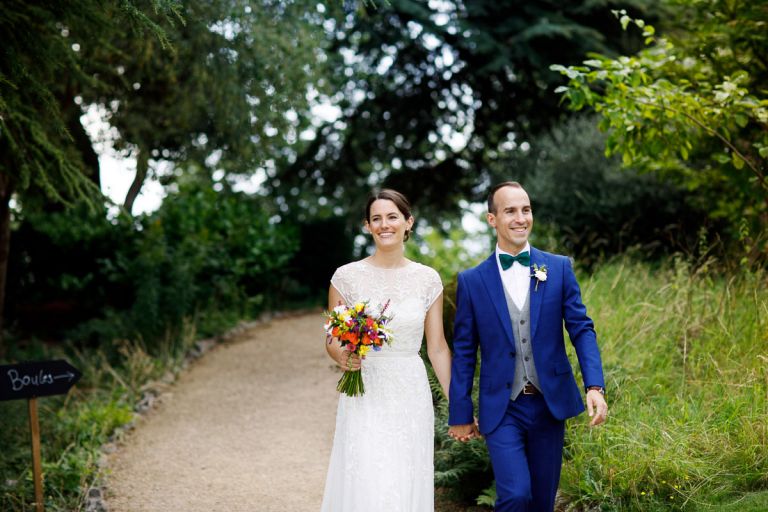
<point>142,167</point>
<point>6,190</point>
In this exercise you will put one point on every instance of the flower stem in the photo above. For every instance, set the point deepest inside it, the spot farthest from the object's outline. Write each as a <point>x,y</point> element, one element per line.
<point>351,383</point>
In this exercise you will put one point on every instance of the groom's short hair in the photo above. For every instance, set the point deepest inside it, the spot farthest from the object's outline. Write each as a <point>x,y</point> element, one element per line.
<point>491,205</point>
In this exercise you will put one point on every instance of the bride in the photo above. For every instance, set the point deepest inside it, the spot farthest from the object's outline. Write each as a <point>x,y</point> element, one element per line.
<point>382,457</point>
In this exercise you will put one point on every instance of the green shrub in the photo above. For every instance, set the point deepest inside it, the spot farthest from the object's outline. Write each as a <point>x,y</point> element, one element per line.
<point>207,257</point>
<point>205,254</point>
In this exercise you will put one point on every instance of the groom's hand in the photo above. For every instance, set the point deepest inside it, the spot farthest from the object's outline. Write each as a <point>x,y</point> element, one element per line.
<point>597,408</point>
<point>463,433</point>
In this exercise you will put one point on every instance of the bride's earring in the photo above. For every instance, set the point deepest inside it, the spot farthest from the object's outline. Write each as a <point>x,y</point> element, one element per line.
<point>408,231</point>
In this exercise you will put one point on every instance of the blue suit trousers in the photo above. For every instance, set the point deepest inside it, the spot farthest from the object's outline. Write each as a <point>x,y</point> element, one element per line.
<point>526,451</point>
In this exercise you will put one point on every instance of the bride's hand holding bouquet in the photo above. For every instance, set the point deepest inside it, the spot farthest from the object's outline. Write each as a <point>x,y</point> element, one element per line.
<point>359,329</point>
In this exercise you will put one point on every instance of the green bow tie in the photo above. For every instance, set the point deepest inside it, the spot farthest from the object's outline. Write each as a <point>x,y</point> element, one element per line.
<point>507,260</point>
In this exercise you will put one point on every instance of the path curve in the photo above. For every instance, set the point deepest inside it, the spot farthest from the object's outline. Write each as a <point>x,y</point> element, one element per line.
<point>248,427</point>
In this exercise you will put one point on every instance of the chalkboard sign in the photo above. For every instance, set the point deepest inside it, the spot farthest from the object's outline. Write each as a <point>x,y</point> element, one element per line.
<point>34,379</point>
<point>31,380</point>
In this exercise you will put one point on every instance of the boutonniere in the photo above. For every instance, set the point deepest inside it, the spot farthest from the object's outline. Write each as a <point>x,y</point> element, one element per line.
<point>540,273</point>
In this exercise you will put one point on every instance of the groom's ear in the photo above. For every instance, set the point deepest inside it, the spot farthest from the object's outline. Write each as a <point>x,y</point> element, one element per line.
<point>491,218</point>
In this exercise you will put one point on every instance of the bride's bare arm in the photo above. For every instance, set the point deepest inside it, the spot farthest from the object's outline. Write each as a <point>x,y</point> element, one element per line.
<point>437,348</point>
<point>340,356</point>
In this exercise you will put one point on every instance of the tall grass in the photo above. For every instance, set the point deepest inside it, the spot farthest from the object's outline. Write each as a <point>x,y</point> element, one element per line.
<point>685,352</point>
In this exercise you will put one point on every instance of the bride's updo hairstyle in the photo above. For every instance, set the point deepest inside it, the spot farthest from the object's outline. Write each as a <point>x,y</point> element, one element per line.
<point>396,197</point>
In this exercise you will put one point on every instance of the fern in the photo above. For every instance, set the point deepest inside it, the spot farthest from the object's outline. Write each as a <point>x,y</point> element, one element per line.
<point>488,496</point>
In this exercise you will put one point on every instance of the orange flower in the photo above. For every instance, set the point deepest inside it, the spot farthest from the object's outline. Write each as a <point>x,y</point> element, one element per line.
<point>335,332</point>
<point>350,337</point>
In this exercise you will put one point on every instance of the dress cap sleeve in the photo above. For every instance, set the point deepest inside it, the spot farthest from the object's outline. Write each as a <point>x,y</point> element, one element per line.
<point>433,288</point>
<point>340,281</point>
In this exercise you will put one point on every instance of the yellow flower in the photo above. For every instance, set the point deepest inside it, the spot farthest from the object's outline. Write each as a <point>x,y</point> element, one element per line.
<point>359,307</point>
<point>364,350</point>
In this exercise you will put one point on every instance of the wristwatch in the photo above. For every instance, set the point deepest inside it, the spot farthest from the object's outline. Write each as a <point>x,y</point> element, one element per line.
<point>599,389</point>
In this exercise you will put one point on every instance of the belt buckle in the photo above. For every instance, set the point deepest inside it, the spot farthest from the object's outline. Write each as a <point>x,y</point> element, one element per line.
<point>528,389</point>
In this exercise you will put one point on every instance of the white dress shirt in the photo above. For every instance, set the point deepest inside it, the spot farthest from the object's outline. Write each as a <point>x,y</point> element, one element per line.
<point>516,279</point>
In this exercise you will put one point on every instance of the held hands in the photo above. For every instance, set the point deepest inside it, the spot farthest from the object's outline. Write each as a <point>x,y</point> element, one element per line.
<point>464,433</point>
<point>597,408</point>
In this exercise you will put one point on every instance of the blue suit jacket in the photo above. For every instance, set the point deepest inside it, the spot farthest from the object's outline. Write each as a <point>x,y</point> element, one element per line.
<point>482,319</point>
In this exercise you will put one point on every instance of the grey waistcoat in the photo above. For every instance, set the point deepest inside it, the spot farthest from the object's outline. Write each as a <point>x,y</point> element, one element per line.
<point>525,370</point>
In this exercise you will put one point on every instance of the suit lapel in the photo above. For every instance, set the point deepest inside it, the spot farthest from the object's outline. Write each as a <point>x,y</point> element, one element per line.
<point>489,272</point>
<point>536,295</point>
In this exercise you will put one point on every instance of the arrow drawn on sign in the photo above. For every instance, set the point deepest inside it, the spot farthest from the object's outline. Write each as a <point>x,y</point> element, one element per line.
<point>69,376</point>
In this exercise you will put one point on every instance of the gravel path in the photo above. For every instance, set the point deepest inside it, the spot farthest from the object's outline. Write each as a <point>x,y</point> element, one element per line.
<point>247,428</point>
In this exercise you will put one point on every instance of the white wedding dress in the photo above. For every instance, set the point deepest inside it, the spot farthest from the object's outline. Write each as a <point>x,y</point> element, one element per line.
<point>382,458</point>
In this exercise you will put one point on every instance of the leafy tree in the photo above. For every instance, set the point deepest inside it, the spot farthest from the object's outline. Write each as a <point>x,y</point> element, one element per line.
<point>223,94</point>
<point>692,107</point>
<point>206,82</point>
<point>432,93</point>
<point>36,148</point>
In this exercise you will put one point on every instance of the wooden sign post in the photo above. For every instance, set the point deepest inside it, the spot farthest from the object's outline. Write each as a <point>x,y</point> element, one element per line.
<point>37,465</point>
<point>30,381</point>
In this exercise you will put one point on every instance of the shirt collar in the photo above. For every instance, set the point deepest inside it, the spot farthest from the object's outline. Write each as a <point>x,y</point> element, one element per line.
<point>499,251</point>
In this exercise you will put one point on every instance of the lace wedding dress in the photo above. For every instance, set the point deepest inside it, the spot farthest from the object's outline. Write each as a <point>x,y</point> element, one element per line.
<point>382,458</point>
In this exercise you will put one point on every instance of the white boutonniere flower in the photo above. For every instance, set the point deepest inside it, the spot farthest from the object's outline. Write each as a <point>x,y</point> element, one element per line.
<point>540,273</point>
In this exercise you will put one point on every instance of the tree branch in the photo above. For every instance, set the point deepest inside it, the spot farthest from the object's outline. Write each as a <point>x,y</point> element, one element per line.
<point>142,168</point>
<point>6,190</point>
<point>711,131</point>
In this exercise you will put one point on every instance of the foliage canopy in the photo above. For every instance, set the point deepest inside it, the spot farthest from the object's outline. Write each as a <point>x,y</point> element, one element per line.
<point>692,107</point>
<point>431,92</point>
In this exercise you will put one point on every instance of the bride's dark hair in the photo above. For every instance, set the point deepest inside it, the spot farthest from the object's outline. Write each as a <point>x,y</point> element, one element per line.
<point>396,197</point>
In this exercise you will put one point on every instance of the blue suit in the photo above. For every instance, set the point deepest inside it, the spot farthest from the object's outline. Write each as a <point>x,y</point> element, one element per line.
<point>524,436</point>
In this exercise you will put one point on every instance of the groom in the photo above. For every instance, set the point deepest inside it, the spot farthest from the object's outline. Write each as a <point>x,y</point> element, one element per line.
<point>513,306</point>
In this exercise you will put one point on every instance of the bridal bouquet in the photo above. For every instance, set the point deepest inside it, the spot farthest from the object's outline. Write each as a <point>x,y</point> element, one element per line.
<point>359,328</point>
